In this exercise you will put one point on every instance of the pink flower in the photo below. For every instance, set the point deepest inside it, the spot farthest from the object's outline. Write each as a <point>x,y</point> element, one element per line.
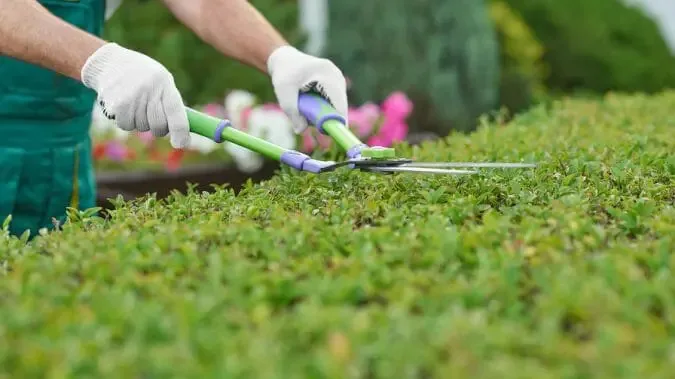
<point>245,115</point>
<point>378,140</point>
<point>214,109</point>
<point>146,137</point>
<point>324,141</point>
<point>308,143</point>
<point>116,151</point>
<point>391,118</point>
<point>396,108</point>
<point>272,107</point>
<point>389,133</point>
<point>364,118</point>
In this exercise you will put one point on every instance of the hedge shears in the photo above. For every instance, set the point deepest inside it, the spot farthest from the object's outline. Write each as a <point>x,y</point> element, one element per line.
<point>320,114</point>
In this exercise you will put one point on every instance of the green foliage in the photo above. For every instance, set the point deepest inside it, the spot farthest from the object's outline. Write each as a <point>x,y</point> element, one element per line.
<point>201,72</point>
<point>443,54</point>
<point>599,45</point>
<point>561,271</point>
<point>523,70</point>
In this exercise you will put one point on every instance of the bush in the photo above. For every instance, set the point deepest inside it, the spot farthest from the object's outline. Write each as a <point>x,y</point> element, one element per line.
<point>599,45</point>
<point>201,72</point>
<point>561,271</point>
<point>443,54</point>
<point>523,71</point>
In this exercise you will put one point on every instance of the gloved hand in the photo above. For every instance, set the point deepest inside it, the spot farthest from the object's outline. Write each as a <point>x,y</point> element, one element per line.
<point>293,71</point>
<point>137,92</point>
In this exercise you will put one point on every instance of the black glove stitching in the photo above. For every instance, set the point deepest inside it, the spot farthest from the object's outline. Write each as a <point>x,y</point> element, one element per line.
<point>107,114</point>
<point>318,87</point>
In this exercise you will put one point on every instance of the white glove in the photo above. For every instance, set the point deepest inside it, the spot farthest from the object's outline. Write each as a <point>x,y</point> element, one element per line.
<point>137,92</point>
<point>293,72</point>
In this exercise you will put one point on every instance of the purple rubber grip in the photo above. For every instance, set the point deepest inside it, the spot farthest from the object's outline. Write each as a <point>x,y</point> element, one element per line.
<point>218,133</point>
<point>317,111</point>
<point>302,162</point>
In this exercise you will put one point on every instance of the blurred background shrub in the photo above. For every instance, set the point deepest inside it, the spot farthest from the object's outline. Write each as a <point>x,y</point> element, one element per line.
<point>442,54</point>
<point>523,70</point>
<point>456,59</point>
<point>599,45</point>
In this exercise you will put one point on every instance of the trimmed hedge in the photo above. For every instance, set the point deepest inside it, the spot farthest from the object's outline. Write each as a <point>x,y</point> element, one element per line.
<point>561,271</point>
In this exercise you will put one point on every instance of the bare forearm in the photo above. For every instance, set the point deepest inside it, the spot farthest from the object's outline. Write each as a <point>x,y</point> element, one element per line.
<point>30,33</point>
<point>234,27</point>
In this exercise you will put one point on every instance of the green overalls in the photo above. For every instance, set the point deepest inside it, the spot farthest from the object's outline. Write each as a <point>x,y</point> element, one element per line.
<point>45,150</point>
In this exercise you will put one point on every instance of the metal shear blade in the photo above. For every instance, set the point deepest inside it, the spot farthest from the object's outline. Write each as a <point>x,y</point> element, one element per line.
<point>402,165</point>
<point>413,169</point>
<point>470,164</point>
<point>408,165</point>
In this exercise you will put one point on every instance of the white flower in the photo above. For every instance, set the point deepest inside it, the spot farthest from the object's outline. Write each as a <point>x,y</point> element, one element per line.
<point>101,125</point>
<point>202,144</point>
<point>273,126</point>
<point>269,124</point>
<point>235,103</point>
<point>245,160</point>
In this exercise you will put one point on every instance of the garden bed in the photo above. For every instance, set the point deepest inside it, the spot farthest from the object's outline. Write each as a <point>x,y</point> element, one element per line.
<point>564,271</point>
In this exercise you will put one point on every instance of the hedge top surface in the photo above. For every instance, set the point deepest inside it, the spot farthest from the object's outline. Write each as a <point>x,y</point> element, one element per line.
<point>561,271</point>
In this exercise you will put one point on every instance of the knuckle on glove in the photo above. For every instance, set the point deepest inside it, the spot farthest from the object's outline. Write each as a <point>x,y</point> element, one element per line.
<point>160,125</point>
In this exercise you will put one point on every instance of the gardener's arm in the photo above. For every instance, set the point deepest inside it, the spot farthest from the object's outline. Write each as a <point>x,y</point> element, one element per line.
<point>234,27</point>
<point>133,89</point>
<point>239,31</point>
<point>30,33</point>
